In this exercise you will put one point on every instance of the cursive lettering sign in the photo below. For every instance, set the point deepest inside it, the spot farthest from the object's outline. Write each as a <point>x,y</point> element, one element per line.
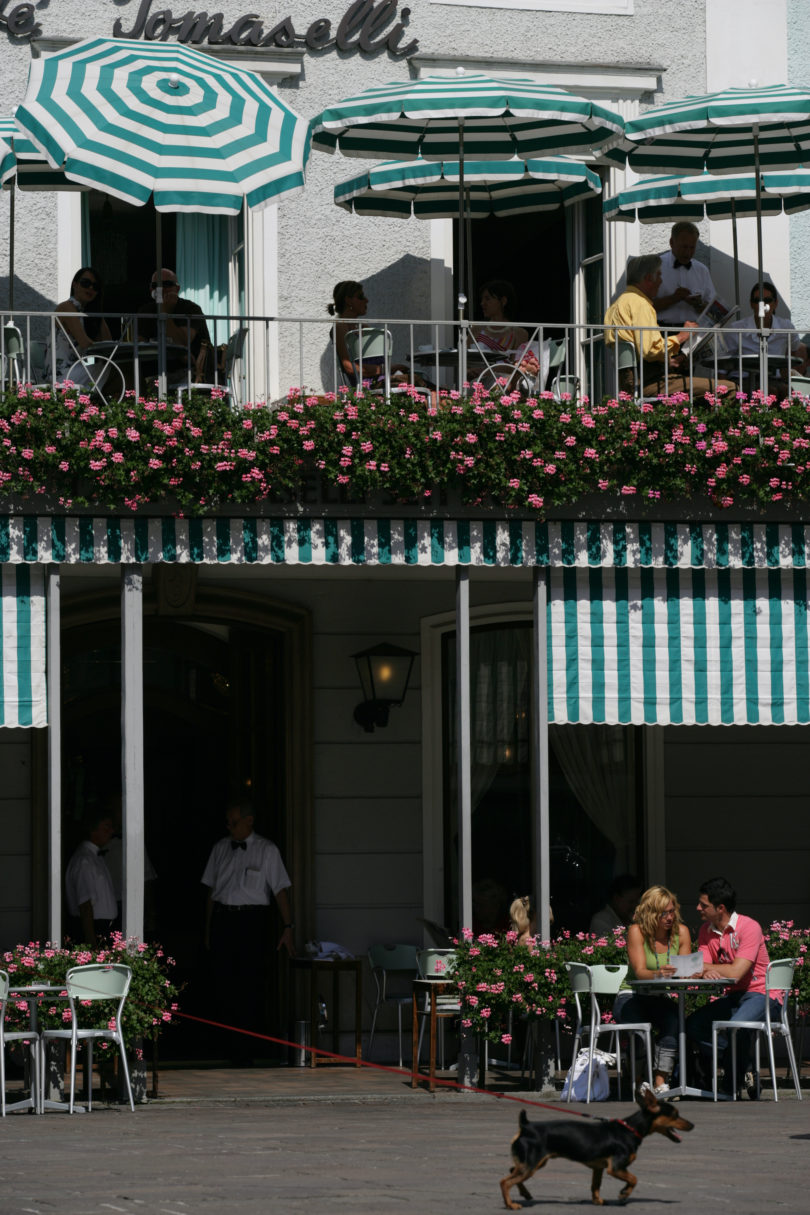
<point>366,26</point>
<point>19,19</point>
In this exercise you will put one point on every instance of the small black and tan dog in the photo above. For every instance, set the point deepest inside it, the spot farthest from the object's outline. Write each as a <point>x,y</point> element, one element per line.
<point>600,1145</point>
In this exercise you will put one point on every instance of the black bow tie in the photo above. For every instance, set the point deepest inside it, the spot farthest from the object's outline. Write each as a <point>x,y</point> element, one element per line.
<point>238,844</point>
<point>684,265</point>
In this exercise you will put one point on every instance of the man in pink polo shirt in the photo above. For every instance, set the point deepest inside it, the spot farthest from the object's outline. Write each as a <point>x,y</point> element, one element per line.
<point>733,948</point>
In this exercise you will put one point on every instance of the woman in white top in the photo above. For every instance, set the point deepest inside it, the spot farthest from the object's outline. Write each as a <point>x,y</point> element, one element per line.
<point>78,324</point>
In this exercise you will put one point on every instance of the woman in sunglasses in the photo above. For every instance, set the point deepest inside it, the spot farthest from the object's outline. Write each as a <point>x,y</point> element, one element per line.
<point>79,325</point>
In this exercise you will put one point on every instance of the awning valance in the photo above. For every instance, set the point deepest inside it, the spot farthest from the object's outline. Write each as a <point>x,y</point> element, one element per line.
<point>409,542</point>
<point>22,646</point>
<point>679,647</point>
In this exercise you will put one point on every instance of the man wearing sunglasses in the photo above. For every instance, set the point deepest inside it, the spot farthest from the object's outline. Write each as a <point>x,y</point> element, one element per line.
<point>185,327</point>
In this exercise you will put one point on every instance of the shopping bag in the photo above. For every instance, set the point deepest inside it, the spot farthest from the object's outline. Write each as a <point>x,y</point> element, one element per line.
<point>577,1077</point>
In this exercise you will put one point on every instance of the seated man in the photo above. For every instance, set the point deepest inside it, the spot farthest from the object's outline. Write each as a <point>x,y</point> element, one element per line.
<point>185,326</point>
<point>733,947</point>
<point>776,329</point>
<point>633,315</point>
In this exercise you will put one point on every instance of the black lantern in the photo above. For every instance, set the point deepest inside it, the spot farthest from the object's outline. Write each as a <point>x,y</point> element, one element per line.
<point>384,672</point>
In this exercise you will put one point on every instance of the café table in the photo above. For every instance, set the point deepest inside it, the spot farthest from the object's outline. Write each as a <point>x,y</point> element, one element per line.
<point>32,993</point>
<point>133,362</point>
<point>315,969</point>
<point>744,369</point>
<point>680,987</point>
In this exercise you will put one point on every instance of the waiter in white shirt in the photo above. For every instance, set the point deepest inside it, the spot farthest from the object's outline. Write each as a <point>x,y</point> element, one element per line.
<point>686,285</point>
<point>89,890</point>
<point>242,873</point>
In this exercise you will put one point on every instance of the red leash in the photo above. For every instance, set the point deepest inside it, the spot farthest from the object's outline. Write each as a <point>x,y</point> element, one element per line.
<point>381,1067</point>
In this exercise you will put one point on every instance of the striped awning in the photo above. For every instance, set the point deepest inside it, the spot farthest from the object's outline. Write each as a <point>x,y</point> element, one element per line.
<point>410,542</point>
<point>22,646</point>
<point>679,647</point>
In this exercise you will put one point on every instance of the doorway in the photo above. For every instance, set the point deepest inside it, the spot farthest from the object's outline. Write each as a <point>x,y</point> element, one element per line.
<point>121,241</point>
<point>216,714</point>
<point>529,251</point>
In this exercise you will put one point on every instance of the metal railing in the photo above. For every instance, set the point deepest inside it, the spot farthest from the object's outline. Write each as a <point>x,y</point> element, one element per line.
<point>301,352</point>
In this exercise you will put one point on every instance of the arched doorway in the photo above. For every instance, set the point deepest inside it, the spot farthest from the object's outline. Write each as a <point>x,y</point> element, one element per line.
<point>224,681</point>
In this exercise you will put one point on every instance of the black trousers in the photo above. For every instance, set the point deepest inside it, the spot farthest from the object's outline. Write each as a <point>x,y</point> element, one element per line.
<point>240,956</point>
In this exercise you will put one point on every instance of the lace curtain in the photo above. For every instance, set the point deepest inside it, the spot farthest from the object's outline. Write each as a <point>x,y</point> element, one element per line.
<point>599,764</point>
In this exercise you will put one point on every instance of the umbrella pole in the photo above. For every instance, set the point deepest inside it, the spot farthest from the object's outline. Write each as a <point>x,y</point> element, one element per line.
<point>763,339</point>
<point>736,252</point>
<point>161,316</point>
<point>462,299</point>
<point>12,204</point>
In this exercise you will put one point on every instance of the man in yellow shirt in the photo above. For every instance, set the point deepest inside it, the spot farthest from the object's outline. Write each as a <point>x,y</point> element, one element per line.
<point>664,369</point>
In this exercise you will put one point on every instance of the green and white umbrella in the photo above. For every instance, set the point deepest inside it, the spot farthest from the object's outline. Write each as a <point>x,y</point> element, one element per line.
<point>499,118</point>
<point>429,189</point>
<point>466,114</point>
<point>141,120</point>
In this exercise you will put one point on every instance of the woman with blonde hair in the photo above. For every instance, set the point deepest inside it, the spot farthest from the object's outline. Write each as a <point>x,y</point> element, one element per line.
<point>656,935</point>
<point>523,918</point>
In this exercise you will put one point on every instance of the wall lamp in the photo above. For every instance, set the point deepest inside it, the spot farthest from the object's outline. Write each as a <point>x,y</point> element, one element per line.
<point>384,671</point>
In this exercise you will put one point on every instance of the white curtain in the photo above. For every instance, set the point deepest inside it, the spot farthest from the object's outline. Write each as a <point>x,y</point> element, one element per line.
<point>599,764</point>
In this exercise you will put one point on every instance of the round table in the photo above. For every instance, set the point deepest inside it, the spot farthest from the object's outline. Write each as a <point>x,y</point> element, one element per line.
<point>680,987</point>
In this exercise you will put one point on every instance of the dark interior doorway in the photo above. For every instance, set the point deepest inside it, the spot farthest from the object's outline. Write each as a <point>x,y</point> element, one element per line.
<point>213,700</point>
<point>530,252</point>
<point>122,250</point>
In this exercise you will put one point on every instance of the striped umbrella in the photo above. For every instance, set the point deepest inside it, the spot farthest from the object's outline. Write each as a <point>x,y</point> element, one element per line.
<point>443,117</point>
<point>141,120</point>
<point>429,189</point>
<point>499,119</point>
<point>655,200</point>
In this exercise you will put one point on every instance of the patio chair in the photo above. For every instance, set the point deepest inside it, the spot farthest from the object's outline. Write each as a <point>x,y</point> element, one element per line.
<point>596,981</point>
<point>29,1039</point>
<point>234,352</point>
<point>560,382</point>
<point>87,985</point>
<point>778,978</point>
<point>370,347</point>
<point>397,964</point>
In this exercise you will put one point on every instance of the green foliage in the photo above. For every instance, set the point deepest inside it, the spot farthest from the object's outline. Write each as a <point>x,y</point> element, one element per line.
<point>150,1004</point>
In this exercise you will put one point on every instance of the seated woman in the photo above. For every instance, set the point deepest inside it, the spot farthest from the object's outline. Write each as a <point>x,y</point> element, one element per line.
<point>79,325</point>
<point>498,303</point>
<point>656,935</point>
<point>350,303</point>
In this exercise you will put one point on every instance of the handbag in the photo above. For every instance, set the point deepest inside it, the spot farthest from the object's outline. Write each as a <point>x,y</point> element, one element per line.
<point>577,1077</point>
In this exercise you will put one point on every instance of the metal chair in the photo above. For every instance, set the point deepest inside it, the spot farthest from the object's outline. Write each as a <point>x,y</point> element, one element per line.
<point>778,978</point>
<point>596,981</point>
<point>506,377</point>
<point>234,351</point>
<point>88,985</point>
<point>372,344</point>
<point>29,1038</point>
<point>397,962</point>
<point>561,382</point>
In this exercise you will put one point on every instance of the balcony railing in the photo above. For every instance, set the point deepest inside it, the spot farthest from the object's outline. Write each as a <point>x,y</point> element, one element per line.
<point>275,354</point>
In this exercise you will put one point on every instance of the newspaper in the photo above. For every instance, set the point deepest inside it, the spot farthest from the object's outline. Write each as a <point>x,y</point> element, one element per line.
<point>687,965</point>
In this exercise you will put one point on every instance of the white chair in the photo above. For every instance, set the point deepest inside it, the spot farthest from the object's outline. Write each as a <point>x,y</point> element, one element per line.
<point>87,985</point>
<point>27,1037</point>
<point>561,382</point>
<point>506,377</point>
<point>778,978</point>
<point>397,963</point>
<point>370,348</point>
<point>437,964</point>
<point>596,981</point>
<point>234,352</point>
<point>98,373</point>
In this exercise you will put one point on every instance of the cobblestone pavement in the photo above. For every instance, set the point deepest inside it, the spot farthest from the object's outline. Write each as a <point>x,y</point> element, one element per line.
<point>330,1151</point>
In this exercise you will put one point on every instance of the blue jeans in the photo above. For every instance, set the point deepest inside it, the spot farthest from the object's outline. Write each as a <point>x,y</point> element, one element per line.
<point>662,1013</point>
<point>739,1006</point>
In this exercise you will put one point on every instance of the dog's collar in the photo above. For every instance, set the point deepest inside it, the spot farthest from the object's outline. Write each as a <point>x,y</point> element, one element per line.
<point>628,1127</point>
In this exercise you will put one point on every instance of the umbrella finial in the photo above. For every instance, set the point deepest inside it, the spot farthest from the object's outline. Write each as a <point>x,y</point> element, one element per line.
<point>174,81</point>
<point>459,71</point>
<point>753,83</point>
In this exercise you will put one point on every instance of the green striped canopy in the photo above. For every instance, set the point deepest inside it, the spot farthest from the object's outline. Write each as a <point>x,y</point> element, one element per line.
<point>716,132</point>
<point>140,120</point>
<point>429,189</point>
<point>655,200</point>
<point>502,118</point>
<point>7,161</point>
